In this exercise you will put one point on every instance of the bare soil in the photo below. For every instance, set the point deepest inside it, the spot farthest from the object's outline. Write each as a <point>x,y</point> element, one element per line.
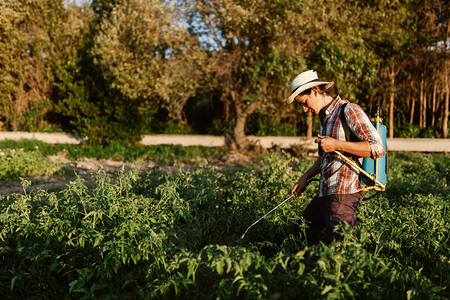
<point>87,166</point>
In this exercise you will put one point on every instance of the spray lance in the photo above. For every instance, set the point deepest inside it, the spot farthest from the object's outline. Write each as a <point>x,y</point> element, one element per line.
<point>281,203</point>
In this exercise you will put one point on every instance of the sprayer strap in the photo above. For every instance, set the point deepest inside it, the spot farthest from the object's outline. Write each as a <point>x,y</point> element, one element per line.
<point>349,135</point>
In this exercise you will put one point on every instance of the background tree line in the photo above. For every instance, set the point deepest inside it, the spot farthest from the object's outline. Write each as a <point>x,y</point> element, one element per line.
<point>117,69</point>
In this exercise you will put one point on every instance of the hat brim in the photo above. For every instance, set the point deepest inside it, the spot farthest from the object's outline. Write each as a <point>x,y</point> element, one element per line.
<point>308,86</point>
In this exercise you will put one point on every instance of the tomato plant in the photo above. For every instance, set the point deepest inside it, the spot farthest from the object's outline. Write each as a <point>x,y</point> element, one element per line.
<point>163,236</point>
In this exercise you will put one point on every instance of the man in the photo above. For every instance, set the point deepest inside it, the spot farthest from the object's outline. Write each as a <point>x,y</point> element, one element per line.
<point>340,192</point>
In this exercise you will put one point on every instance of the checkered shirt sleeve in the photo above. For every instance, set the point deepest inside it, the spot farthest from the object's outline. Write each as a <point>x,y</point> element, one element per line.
<point>360,125</point>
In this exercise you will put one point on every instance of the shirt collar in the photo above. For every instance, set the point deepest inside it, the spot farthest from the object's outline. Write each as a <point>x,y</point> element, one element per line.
<point>326,110</point>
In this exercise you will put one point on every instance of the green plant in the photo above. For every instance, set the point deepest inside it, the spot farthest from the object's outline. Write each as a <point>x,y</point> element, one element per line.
<point>118,150</point>
<point>15,164</point>
<point>164,236</point>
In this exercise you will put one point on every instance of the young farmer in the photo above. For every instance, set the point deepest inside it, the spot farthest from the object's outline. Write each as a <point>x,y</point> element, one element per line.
<point>340,192</point>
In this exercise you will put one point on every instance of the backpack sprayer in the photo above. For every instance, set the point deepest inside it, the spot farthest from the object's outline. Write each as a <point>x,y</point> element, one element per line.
<point>374,171</point>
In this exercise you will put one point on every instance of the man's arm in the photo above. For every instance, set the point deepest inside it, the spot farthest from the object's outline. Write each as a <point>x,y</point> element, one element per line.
<point>329,144</point>
<point>301,184</point>
<point>370,144</point>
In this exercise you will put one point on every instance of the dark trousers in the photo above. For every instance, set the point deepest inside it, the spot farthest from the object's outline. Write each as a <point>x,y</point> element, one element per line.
<point>325,213</point>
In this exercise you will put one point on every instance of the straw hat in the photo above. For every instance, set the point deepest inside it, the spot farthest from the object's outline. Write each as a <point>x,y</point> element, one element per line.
<point>304,81</point>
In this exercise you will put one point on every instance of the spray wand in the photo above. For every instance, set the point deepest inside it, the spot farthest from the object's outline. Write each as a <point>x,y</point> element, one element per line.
<point>254,223</point>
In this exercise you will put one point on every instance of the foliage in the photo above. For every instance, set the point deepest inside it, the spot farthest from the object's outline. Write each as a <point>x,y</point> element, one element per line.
<point>258,124</point>
<point>414,131</point>
<point>117,150</point>
<point>15,164</point>
<point>165,236</point>
<point>88,102</point>
<point>256,56</point>
<point>26,41</point>
<point>115,69</point>
<point>145,54</point>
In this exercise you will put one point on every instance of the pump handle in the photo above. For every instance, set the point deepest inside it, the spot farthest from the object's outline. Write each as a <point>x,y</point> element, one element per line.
<point>376,111</point>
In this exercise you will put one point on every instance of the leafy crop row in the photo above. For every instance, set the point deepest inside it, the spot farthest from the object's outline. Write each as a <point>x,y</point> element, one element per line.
<point>116,150</point>
<point>164,236</point>
<point>15,164</point>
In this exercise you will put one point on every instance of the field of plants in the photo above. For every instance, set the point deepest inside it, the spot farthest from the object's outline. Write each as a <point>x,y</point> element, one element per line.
<point>157,235</point>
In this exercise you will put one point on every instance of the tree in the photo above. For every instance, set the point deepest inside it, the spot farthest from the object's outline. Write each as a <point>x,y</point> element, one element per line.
<point>429,60</point>
<point>257,47</point>
<point>391,37</point>
<point>37,39</point>
<point>182,78</point>
<point>145,53</point>
<point>27,35</point>
<point>108,71</point>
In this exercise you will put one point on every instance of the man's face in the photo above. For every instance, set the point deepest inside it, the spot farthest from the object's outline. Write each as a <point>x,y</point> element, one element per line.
<point>309,102</point>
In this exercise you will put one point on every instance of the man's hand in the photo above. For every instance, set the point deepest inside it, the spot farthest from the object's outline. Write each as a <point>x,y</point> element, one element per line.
<point>327,143</point>
<point>299,187</point>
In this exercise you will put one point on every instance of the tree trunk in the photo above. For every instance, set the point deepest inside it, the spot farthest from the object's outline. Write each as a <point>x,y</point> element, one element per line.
<point>447,92</point>
<point>239,130</point>
<point>433,104</point>
<point>180,115</point>
<point>391,104</point>
<point>425,96</point>
<point>309,123</point>
<point>408,100</point>
<point>413,106</point>
<point>240,138</point>
<point>421,104</point>
<point>446,88</point>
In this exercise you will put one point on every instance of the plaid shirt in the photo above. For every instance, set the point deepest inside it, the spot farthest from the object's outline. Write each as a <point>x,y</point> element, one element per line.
<point>337,176</point>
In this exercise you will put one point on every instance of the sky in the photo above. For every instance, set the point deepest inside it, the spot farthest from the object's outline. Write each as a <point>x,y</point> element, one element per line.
<point>79,2</point>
